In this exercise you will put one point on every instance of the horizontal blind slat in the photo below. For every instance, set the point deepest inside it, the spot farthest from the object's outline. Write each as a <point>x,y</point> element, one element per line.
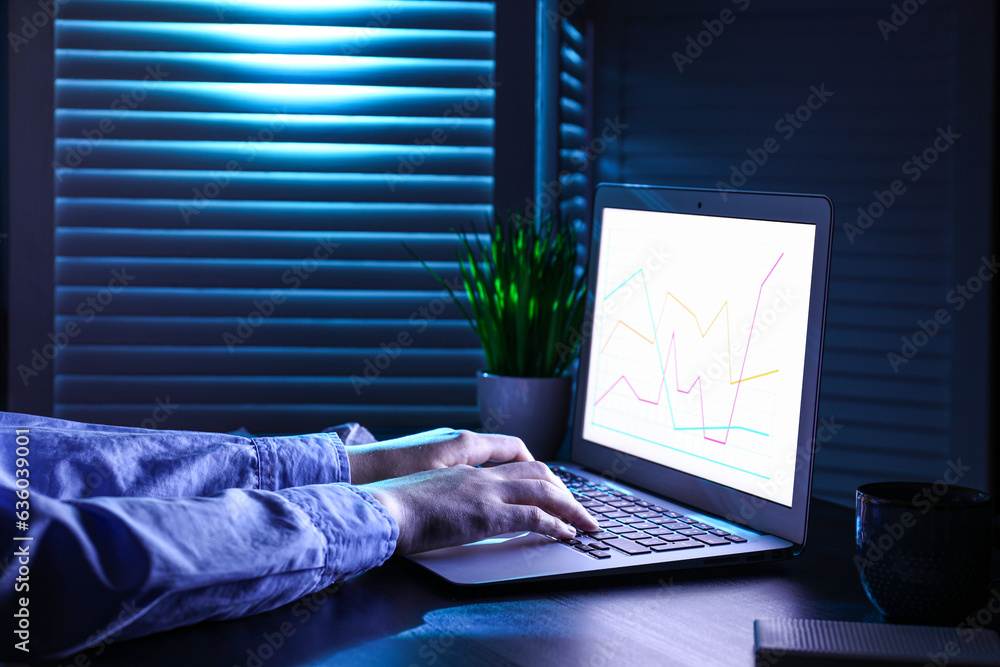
<point>275,68</point>
<point>279,361</point>
<point>197,186</point>
<point>262,155</point>
<point>278,99</point>
<point>329,217</point>
<point>281,39</point>
<point>320,128</point>
<point>361,14</point>
<point>426,326</point>
<point>292,245</point>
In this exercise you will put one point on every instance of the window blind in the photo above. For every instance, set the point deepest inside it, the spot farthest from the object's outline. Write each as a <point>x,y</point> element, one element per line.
<point>576,149</point>
<point>235,182</point>
<point>698,114</point>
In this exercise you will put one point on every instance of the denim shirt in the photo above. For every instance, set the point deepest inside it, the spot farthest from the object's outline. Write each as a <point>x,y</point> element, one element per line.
<point>134,531</point>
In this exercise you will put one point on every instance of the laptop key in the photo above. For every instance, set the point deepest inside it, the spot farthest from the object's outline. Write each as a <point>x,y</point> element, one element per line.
<point>650,542</point>
<point>720,533</point>
<point>599,546</point>
<point>620,529</point>
<point>736,538</point>
<point>599,554</point>
<point>631,548</point>
<point>674,537</point>
<point>617,514</point>
<point>601,535</point>
<point>644,525</point>
<point>630,519</point>
<point>646,514</point>
<point>634,535</point>
<point>659,531</point>
<point>673,546</point>
<point>582,547</point>
<point>691,531</point>
<point>703,526</point>
<point>712,540</point>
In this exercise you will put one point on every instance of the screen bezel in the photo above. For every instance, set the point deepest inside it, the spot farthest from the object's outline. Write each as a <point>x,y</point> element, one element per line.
<point>736,506</point>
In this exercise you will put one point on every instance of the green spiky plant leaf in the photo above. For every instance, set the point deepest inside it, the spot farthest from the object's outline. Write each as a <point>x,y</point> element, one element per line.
<point>526,301</point>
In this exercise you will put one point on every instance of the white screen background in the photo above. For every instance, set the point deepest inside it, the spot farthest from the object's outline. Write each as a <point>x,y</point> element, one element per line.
<point>698,345</point>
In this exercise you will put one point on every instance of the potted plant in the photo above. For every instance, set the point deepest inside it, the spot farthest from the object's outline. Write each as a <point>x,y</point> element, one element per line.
<point>526,298</point>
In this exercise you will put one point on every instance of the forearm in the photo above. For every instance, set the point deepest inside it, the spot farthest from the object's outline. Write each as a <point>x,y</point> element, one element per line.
<point>75,460</point>
<point>169,562</point>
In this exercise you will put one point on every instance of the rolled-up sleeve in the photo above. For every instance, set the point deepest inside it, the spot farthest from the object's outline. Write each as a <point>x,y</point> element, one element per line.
<point>125,564</point>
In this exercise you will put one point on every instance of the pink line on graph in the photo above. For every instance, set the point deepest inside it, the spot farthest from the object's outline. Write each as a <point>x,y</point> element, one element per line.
<point>697,381</point>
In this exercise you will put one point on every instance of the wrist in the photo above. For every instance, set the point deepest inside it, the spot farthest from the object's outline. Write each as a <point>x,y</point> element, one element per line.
<point>359,460</point>
<point>388,501</point>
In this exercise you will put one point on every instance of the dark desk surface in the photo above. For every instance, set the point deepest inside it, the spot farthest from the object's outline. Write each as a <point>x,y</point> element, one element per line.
<point>398,615</point>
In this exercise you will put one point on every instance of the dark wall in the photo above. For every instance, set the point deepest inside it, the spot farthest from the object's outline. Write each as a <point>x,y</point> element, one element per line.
<point>701,89</point>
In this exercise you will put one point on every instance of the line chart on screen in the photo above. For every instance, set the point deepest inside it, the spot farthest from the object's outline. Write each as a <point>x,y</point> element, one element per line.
<point>696,361</point>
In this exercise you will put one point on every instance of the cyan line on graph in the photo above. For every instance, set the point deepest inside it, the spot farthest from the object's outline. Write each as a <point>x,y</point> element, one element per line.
<point>682,451</point>
<point>673,422</point>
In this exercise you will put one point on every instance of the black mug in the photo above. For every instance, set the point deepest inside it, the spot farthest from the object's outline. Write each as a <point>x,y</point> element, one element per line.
<point>923,550</point>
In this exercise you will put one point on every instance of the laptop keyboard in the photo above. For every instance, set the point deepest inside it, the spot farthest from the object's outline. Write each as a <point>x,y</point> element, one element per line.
<point>633,526</point>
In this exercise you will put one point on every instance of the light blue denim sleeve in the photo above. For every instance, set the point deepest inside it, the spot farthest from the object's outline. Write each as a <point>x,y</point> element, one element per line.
<point>120,566</point>
<point>77,460</point>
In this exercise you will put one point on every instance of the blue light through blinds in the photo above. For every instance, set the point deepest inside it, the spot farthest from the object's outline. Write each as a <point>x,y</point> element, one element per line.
<point>576,150</point>
<point>235,182</point>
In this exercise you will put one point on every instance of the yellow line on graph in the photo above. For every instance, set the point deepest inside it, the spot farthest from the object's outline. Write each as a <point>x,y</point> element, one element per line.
<point>752,377</point>
<point>725,306</point>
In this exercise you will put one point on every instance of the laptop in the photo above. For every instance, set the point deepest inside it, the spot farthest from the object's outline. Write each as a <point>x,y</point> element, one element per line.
<point>696,397</point>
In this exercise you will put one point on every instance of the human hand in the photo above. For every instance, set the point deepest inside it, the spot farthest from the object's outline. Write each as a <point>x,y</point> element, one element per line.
<point>440,448</point>
<point>461,504</point>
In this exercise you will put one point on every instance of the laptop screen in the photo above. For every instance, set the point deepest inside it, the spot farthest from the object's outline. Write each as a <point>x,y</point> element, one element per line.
<point>698,346</point>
